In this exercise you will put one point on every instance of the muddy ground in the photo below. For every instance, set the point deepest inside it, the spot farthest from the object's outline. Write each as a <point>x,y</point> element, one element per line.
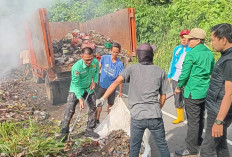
<point>21,98</point>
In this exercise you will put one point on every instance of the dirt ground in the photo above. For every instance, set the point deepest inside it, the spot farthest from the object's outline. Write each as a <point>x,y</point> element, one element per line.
<point>20,97</point>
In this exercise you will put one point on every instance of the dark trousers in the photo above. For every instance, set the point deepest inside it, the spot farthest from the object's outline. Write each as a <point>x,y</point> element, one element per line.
<point>156,127</point>
<point>211,145</point>
<point>179,98</point>
<point>72,101</point>
<point>195,117</point>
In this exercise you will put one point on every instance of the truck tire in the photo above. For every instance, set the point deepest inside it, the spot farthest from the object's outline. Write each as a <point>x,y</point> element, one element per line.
<point>57,91</point>
<point>37,79</point>
<point>53,92</point>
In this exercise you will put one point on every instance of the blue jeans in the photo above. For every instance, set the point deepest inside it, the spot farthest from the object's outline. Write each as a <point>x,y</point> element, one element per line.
<point>156,127</point>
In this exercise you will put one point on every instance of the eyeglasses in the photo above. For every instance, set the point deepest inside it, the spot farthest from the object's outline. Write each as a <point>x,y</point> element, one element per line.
<point>88,60</point>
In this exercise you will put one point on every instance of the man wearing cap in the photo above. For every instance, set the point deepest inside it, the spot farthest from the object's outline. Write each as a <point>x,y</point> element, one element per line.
<point>197,68</point>
<point>219,95</point>
<point>147,81</point>
<point>175,71</point>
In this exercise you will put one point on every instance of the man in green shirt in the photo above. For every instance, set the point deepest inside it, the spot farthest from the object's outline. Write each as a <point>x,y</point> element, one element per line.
<point>84,79</point>
<point>195,75</point>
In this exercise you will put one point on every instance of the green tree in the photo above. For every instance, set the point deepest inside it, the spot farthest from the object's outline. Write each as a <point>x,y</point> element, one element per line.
<point>157,21</point>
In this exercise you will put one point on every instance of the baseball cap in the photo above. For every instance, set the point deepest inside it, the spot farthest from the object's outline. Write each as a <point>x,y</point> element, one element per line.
<point>184,32</point>
<point>196,33</point>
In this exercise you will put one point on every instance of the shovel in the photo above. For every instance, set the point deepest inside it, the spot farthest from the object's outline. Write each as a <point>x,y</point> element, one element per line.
<point>77,117</point>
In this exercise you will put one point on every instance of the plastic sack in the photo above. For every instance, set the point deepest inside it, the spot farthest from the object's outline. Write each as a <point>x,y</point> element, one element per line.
<point>119,118</point>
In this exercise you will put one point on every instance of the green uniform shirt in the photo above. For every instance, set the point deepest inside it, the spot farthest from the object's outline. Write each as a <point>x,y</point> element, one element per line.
<point>82,77</point>
<point>197,68</point>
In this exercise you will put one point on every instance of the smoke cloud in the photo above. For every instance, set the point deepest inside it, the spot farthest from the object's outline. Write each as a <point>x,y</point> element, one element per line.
<point>13,16</point>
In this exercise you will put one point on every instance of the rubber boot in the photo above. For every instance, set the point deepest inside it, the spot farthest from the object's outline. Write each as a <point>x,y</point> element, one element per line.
<point>178,119</point>
<point>181,114</point>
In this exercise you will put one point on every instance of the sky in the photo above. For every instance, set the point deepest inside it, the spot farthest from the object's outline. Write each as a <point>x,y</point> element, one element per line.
<point>13,16</point>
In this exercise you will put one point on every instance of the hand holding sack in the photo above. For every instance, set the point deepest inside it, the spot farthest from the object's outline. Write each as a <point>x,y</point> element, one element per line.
<point>100,102</point>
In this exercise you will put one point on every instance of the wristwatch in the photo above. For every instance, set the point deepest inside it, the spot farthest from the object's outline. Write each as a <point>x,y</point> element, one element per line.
<point>219,122</point>
<point>178,88</point>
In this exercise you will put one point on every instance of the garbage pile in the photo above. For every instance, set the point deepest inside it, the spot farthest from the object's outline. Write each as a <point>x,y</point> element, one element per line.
<point>20,99</point>
<point>117,144</point>
<point>68,50</point>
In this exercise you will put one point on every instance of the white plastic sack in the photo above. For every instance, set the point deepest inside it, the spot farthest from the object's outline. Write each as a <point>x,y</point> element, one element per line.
<point>119,118</point>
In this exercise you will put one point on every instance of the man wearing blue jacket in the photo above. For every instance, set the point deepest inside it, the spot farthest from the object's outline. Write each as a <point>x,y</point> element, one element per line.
<point>175,71</point>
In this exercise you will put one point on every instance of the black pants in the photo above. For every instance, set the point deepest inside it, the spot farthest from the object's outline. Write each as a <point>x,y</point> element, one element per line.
<point>70,110</point>
<point>195,117</point>
<point>211,145</point>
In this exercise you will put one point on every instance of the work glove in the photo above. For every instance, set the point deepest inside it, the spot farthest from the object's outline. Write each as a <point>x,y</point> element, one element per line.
<point>100,102</point>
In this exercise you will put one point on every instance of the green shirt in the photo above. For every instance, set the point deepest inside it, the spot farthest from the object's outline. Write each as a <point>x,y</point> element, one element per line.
<point>197,68</point>
<point>82,77</point>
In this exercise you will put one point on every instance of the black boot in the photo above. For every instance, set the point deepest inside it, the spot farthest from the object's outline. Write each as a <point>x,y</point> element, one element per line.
<point>63,137</point>
<point>64,133</point>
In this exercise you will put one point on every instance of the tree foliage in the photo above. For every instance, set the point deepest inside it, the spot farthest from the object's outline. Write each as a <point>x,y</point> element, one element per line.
<point>157,21</point>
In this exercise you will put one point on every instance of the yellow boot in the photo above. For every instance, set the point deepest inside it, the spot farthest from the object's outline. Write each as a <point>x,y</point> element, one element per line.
<point>181,114</point>
<point>179,118</point>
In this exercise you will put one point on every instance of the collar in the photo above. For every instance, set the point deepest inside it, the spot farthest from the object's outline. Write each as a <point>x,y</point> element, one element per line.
<point>184,46</point>
<point>146,63</point>
<point>84,65</point>
<point>227,51</point>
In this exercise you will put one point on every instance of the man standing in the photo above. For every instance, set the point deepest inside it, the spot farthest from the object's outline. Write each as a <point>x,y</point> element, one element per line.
<point>84,79</point>
<point>111,67</point>
<point>219,95</point>
<point>195,75</point>
<point>25,62</point>
<point>175,71</point>
<point>147,81</point>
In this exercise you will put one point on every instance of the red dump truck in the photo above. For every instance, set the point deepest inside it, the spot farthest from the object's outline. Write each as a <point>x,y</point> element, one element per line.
<point>119,26</point>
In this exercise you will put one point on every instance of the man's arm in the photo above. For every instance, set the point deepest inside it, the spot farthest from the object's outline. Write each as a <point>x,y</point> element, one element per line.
<point>162,100</point>
<point>120,90</point>
<point>96,75</point>
<point>217,130</point>
<point>113,86</point>
<point>76,81</point>
<point>164,89</point>
<point>100,66</point>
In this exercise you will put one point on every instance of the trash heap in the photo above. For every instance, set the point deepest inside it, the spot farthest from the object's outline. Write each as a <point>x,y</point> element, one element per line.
<point>20,99</point>
<point>68,50</point>
<point>23,99</point>
<point>117,143</point>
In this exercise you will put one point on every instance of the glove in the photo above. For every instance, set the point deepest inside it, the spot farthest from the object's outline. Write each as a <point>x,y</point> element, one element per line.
<point>100,102</point>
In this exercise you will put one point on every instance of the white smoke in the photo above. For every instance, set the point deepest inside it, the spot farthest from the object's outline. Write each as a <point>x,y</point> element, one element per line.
<point>13,16</point>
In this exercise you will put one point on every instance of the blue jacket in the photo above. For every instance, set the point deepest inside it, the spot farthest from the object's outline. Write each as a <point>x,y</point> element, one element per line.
<point>178,51</point>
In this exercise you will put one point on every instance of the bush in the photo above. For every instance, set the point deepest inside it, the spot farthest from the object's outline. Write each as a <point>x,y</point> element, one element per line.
<point>157,22</point>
